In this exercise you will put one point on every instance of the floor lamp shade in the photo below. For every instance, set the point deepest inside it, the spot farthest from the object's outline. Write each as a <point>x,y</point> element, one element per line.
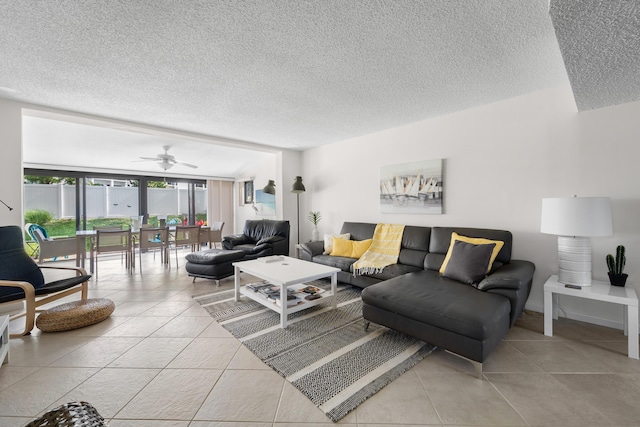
<point>297,188</point>
<point>270,188</point>
<point>575,220</point>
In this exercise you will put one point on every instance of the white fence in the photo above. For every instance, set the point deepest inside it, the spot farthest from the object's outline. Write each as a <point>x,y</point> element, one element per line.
<point>110,202</point>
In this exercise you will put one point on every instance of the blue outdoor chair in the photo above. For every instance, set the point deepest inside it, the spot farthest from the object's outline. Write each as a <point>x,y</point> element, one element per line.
<point>49,247</point>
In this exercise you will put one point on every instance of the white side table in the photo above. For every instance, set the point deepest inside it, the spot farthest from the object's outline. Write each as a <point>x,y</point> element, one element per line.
<point>4,340</point>
<point>599,291</point>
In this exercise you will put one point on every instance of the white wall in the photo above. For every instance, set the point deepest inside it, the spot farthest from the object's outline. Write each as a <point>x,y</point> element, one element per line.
<point>11,170</point>
<point>261,174</point>
<point>283,169</point>
<point>500,161</point>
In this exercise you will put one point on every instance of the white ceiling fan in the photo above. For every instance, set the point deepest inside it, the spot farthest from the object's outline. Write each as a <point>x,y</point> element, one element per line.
<point>166,160</point>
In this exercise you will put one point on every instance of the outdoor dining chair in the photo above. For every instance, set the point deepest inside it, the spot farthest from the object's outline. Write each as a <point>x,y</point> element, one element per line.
<point>110,241</point>
<point>186,235</point>
<point>153,239</point>
<point>205,236</point>
<point>216,233</point>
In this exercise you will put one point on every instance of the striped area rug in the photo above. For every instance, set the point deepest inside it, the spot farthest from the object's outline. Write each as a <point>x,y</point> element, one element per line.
<point>324,353</point>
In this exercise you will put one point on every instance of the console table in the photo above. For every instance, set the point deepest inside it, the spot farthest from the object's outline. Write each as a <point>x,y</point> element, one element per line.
<point>599,291</point>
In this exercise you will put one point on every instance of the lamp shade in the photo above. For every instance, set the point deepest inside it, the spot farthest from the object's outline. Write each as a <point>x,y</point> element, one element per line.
<point>577,216</point>
<point>298,186</point>
<point>270,188</point>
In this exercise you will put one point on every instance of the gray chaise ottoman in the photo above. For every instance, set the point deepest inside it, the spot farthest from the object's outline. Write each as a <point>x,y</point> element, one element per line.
<point>440,311</point>
<point>214,264</point>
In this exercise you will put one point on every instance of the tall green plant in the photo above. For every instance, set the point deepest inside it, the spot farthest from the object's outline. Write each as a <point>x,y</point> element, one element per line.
<point>616,265</point>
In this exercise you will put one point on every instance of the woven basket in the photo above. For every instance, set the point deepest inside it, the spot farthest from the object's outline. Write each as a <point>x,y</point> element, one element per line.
<point>80,414</point>
<point>76,314</point>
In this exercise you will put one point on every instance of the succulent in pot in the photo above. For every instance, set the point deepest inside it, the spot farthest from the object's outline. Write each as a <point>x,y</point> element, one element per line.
<point>616,267</point>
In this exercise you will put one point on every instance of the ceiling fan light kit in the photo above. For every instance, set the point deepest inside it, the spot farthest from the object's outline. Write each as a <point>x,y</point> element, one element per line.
<point>166,161</point>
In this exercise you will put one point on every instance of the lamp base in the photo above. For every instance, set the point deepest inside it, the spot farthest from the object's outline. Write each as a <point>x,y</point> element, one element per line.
<point>574,260</point>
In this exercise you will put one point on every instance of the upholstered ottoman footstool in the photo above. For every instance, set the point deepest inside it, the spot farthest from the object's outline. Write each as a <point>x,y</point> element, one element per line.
<point>214,264</point>
<point>76,314</point>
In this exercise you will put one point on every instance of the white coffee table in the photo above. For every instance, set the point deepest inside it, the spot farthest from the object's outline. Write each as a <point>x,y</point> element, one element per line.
<point>599,291</point>
<point>284,273</point>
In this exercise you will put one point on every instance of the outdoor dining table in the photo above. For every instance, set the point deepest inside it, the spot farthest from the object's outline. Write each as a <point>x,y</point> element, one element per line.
<point>81,246</point>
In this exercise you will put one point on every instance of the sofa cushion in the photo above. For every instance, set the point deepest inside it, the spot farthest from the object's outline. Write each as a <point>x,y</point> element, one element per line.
<point>328,241</point>
<point>358,230</point>
<point>395,270</point>
<point>497,245</point>
<point>417,238</point>
<point>467,263</point>
<point>343,263</point>
<point>427,297</point>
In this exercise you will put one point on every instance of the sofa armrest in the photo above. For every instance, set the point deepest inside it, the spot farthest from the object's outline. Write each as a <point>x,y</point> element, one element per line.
<point>311,249</point>
<point>515,275</point>
<point>236,239</point>
<point>513,281</point>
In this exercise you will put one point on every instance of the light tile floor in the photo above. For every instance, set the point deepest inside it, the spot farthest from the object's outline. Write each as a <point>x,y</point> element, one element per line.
<point>160,360</point>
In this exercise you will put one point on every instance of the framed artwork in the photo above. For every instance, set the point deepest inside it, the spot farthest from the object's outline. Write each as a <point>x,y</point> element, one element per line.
<point>265,204</point>
<point>414,187</point>
<point>248,192</point>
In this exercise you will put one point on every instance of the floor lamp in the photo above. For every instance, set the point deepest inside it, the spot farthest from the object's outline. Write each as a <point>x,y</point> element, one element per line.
<point>298,187</point>
<point>575,220</point>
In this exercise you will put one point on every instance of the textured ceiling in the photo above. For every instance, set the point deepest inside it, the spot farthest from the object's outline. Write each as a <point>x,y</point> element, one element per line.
<point>600,45</point>
<point>297,74</point>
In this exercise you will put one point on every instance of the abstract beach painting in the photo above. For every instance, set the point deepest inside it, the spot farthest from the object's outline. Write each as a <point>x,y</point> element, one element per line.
<point>414,187</point>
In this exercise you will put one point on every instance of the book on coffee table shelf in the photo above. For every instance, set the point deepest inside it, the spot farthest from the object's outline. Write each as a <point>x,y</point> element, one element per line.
<point>296,294</point>
<point>292,300</point>
<point>310,290</point>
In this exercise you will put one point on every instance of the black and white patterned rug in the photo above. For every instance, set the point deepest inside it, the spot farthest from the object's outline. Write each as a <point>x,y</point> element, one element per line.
<point>324,353</point>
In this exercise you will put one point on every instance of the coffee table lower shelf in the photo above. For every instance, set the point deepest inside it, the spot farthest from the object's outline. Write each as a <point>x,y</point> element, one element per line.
<point>286,272</point>
<point>277,307</point>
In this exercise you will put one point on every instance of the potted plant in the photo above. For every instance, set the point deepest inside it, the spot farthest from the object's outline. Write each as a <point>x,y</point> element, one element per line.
<point>314,217</point>
<point>616,266</point>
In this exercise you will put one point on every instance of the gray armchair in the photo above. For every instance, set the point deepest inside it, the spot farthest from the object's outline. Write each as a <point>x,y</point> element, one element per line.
<point>260,238</point>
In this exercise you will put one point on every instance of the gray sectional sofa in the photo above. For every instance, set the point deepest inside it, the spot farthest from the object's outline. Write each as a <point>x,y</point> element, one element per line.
<point>414,298</point>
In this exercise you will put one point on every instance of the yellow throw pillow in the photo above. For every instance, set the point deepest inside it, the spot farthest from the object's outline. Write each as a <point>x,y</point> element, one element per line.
<point>360,247</point>
<point>341,247</point>
<point>350,248</point>
<point>328,241</point>
<point>474,241</point>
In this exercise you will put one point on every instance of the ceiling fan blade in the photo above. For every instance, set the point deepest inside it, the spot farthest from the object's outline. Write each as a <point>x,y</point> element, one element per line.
<point>165,160</point>
<point>189,165</point>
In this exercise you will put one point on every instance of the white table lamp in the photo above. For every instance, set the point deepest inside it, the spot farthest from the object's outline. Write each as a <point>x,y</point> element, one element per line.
<point>575,220</point>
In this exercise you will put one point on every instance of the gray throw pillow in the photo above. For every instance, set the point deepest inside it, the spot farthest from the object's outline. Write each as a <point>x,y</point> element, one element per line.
<point>468,263</point>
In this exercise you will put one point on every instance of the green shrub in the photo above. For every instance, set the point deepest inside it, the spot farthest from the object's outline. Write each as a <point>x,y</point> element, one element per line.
<point>37,216</point>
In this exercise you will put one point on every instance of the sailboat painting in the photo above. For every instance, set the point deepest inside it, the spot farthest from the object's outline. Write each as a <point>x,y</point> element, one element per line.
<point>412,187</point>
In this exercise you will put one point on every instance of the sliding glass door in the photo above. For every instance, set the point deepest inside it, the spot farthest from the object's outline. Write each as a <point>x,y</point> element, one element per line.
<point>80,201</point>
